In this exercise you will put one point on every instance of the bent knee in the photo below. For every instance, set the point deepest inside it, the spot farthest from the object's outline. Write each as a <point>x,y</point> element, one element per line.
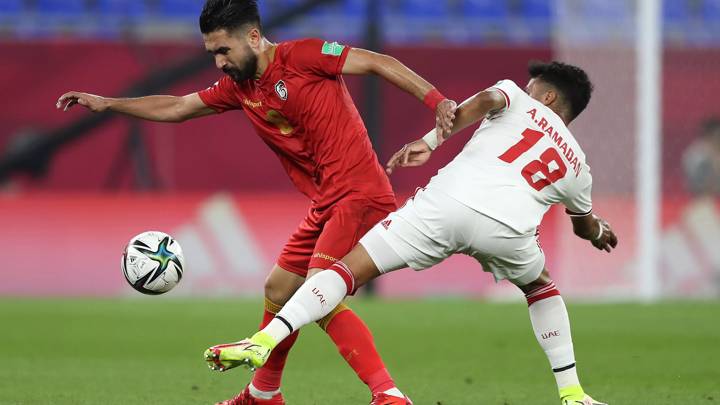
<point>280,285</point>
<point>542,280</point>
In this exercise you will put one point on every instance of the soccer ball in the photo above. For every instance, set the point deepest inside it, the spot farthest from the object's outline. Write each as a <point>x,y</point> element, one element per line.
<point>153,262</point>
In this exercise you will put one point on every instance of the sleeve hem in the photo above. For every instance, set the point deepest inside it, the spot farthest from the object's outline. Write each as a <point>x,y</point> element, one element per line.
<point>204,98</point>
<point>343,58</point>
<point>507,99</point>
<point>577,214</point>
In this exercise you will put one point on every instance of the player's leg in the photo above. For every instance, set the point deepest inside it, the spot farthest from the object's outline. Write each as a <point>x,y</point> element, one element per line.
<point>393,243</point>
<point>350,220</point>
<point>348,331</point>
<point>551,324</point>
<point>324,291</point>
<point>279,286</point>
<point>519,259</point>
<point>284,279</point>
<point>316,299</point>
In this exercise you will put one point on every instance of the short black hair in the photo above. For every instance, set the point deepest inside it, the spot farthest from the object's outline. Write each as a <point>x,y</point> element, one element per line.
<point>229,15</point>
<point>571,81</point>
<point>710,125</point>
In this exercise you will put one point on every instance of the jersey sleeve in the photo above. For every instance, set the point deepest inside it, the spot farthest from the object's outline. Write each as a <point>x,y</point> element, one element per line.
<point>319,57</point>
<point>510,91</point>
<point>221,96</point>
<point>580,202</point>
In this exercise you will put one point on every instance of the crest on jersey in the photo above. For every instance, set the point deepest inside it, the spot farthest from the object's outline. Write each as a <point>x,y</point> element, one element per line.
<point>281,90</point>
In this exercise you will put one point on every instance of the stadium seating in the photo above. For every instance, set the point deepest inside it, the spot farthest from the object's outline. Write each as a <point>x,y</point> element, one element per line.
<point>11,8</point>
<point>122,10</point>
<point>180,9</point>
<point>536,10</point>
<point>711,10</point>
<point>485,9</point>
<point>424,9</point>
<point>67,9</point>
<point>461,21</point>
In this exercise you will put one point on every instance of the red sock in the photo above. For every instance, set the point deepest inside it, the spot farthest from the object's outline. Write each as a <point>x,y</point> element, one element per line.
<point>355,343</point>
<point>540,293</point>
<point>268,377</point>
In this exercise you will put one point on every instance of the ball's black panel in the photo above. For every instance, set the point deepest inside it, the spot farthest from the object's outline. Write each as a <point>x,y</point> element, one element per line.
<point>139,285</point>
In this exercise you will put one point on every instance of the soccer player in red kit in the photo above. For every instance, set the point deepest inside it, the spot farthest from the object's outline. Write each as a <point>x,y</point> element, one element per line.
<point>295,97</point>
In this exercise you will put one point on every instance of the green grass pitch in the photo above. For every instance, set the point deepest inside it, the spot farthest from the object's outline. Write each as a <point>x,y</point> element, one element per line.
<point>449,352</point>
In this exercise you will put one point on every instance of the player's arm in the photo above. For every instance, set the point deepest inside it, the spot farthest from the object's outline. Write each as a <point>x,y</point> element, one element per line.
<point>364,62</point>
<point>153,108</point>
<point>468,113</point>
<point>595,229</point>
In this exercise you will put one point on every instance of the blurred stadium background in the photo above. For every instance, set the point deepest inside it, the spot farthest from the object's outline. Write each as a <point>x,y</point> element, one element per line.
<point>74,187</point>
<point>79,185</point>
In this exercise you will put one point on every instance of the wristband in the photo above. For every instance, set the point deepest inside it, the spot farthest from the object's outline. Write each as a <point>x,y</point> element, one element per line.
<point>431,139</point>
<point>433,98</point>
<point>600,234</point>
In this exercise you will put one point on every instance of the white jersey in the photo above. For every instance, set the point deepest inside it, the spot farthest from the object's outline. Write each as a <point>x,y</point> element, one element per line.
<point>520,161</point>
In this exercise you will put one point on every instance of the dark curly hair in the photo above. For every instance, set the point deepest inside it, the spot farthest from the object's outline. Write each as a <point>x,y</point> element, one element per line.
<point>229,15</point>
<point>571,81</point>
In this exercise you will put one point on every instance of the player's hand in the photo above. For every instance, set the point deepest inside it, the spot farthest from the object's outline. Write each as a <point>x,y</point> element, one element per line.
<point>607,240</point>
<point>444,116</point>
<point>412,154</point>
<point>90,101</point>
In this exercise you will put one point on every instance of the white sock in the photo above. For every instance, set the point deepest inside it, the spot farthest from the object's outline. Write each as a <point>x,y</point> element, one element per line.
<point>315,299</point>
<point>262,394</point>
<point>551,324</point>
<point>394,392</point>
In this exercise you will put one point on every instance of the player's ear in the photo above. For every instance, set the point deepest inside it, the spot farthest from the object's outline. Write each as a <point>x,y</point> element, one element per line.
<point>550,96</point>
<point>254,37</point>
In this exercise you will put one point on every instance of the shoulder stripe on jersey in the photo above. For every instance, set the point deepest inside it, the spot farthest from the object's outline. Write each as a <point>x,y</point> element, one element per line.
<point>507,99</point>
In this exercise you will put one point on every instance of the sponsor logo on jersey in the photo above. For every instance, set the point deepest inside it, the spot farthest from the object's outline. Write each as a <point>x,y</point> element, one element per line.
<point>281,90</point>
<point>332,48</point>
<point>324,256</point>
<point>252,104</point>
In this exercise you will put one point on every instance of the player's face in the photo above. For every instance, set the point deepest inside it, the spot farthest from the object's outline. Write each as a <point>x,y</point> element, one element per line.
<point>537,90</point>
<point>233,53</point>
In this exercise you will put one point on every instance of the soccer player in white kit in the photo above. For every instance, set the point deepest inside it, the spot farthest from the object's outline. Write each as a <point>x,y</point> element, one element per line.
<point>487,203</point>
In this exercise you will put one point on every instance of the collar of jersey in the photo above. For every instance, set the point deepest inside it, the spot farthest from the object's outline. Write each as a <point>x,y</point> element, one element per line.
<point>270,66</point>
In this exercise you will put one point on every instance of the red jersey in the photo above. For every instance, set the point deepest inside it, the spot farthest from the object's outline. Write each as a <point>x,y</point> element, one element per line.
<point>303,111</point>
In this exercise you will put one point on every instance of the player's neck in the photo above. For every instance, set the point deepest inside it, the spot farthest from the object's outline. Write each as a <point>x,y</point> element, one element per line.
<point>266,56</point>
<point>560,113</point>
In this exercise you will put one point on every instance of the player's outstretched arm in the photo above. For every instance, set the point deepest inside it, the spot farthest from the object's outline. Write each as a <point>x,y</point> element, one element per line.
<point>153,108</point>
<point>596,230</point>
<point>470,111</point>
<point>363,62</point>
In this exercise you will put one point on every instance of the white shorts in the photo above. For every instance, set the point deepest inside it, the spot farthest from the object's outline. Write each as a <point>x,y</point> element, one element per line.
<point>432,226</point>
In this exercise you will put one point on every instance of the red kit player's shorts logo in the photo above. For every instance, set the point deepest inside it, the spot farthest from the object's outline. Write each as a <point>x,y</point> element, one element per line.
<point>281,90</point>
<point>386,223</point>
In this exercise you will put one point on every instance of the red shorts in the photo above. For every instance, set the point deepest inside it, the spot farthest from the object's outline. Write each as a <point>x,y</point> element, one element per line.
<point>325,236</point>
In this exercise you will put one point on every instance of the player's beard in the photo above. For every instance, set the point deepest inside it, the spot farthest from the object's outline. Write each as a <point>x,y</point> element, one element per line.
<point>246,72</point>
